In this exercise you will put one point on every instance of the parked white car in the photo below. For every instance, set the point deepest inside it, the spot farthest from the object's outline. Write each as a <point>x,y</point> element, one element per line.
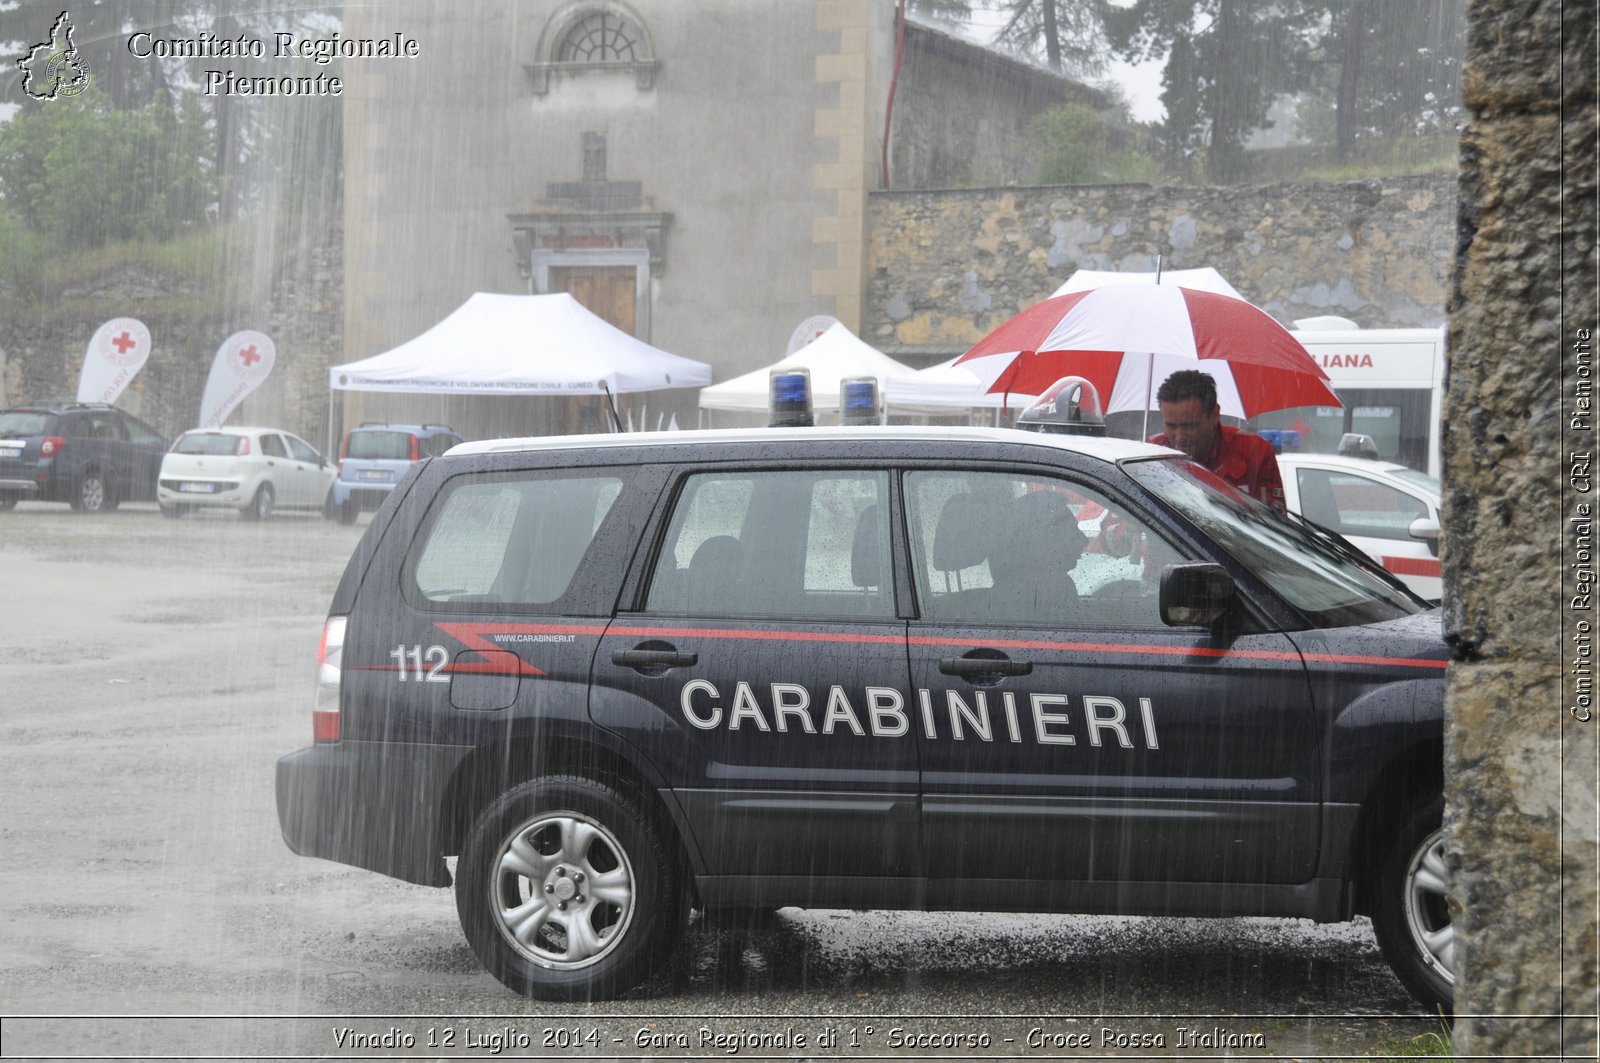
<point>253,470</point>
<point>1388,510</point>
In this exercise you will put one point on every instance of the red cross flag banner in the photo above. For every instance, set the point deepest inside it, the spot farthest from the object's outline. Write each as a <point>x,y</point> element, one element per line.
<point>116,353</point>
<point>242,363</point>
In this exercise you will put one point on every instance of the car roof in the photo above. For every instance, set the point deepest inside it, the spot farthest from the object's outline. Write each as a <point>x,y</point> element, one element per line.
<point>236,430</point>
<point>423,428</point>
<point>1104,448</point>
<point>1341,461</point>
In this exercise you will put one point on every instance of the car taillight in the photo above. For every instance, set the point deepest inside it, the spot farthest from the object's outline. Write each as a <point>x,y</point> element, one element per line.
<point>243,447</point>
<point>325,722</point>
<point>50,446</point>
<point>415,449</point>
<point>344,451</point>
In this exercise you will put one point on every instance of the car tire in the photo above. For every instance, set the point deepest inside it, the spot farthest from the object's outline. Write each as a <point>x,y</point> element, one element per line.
<point>260,505</point>
<point>348,512</point>
<point>527,901</point>
<point>1410,912</point>
<point>92,494</point>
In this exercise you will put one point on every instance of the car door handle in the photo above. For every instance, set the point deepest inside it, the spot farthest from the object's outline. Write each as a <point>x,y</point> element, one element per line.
<point>984,667</point>
<point>654,658</point>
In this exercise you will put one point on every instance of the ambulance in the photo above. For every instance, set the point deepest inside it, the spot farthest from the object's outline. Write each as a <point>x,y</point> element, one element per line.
<point>1391,382</point>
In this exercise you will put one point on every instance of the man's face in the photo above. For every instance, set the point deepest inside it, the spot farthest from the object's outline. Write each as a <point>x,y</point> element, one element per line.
<point>1190,427</point>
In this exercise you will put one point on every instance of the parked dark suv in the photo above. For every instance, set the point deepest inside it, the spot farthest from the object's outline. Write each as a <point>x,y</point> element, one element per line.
<point>965,669</point>
<point>89,455</point>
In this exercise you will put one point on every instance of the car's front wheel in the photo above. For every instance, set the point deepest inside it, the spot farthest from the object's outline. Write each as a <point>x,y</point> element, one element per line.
<point>260,505</point>
<point>568,889</point>
<point>1410,911</point>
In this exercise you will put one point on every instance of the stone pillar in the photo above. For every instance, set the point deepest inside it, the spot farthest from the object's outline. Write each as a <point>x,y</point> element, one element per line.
<point>1520,762</point>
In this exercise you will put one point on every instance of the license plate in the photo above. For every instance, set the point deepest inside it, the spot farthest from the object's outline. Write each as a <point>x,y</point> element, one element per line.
<point>13,450</point>
<point>374,474</point>
<point>198,489</point>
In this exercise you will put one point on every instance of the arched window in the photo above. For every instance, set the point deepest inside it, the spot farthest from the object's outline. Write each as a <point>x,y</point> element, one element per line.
<point>594,36</point>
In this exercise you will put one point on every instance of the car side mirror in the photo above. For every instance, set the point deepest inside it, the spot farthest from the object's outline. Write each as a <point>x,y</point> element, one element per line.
<point>1426,529</point>
<point>1195,595</point>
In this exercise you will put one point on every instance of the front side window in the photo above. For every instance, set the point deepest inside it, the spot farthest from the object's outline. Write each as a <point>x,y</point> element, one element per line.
<point>302,450</point>
<point>1352,504</point>
<point>1321,578</point>
<point>511,541</point>
<point>797,544</point>
<point>1004,548</point>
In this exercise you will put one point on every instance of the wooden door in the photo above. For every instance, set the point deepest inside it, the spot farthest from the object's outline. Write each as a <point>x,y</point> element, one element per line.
<point>609,293</point>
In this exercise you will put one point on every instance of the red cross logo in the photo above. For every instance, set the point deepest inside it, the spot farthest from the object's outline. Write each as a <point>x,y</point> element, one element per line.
<point>123,342</point>
<point>249,356</point>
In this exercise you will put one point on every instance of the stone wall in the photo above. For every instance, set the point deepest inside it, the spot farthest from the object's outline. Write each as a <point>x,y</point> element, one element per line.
<point>1520,761</point>
<point>297,300</point>
<point>946,267</point>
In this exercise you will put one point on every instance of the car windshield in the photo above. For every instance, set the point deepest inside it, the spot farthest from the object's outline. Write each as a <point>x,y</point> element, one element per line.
<point>14,423</point>
<point>391,445</point>
<point>1329,584</point>
<point>207,443</point>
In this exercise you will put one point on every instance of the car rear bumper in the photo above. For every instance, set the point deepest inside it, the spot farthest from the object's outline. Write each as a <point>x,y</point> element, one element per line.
<point>18,486</point>
<point>371,805</point>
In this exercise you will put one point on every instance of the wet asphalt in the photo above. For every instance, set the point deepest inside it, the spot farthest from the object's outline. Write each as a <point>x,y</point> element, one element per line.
<point>154,670</point>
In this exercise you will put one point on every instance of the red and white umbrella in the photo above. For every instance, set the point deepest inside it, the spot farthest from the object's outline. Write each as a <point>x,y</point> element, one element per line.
<point>1126,339</point>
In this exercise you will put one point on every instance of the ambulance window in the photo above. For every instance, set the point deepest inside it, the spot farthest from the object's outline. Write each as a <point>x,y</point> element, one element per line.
<point>1351,504</point>
<point>1003,548</point>
<point>511,541</point>
<point>805,543</point>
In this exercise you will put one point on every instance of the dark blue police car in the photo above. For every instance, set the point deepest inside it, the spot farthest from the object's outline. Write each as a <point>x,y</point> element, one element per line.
<point>627,676</point>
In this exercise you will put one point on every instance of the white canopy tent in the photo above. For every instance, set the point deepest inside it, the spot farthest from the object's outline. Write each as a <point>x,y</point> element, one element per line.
<point>836,355</point>
<point>521,345</point>
<point>945,386</point>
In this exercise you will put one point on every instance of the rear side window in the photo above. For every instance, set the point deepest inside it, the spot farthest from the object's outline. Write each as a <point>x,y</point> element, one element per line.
<point>388,446</point>
<point>16,423</point>
<point>510,541</point>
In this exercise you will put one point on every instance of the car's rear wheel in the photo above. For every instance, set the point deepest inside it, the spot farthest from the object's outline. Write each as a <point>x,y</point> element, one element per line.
<point>93,494</point>
<point>1410,911</point>
<point>260,505</point>
<point>348,512</point>
<point>568,890</point>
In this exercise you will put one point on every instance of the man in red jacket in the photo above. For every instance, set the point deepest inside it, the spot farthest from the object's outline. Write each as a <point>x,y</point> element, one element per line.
<point>1193,423</point>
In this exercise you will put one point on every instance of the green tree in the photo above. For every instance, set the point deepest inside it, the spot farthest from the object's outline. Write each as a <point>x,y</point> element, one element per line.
<point>1386,72</point>
<point>82,172</point>
<point>1081,145</point>
<point>1226,62</point>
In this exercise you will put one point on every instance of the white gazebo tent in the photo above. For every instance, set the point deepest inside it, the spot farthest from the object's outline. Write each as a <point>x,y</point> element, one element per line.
<point>836,355</point>
<point>521,345</point>
<point>945,387</point>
